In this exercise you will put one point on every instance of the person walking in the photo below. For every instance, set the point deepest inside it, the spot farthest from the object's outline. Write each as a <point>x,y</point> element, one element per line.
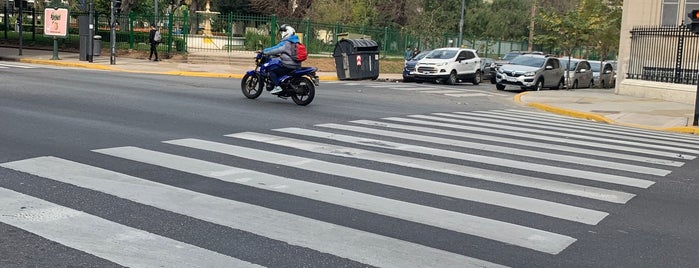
<point>408,53</point>
<point>153,42</point>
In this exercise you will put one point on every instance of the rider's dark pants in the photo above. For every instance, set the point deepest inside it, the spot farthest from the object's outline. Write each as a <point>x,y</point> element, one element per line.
<point>277,72</point>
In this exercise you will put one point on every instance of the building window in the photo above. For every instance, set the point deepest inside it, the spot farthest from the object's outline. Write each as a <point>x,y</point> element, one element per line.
<point>670,10</point>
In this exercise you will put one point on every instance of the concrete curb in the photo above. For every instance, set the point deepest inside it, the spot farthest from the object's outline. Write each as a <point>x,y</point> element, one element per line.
<point>597,117</point>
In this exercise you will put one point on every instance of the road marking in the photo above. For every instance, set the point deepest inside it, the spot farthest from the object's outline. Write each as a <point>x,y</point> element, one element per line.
<point>579,131</point>
<point>441,91</point>
<point>467,224</point>
<point>542,207</point>
<point>468,95</point>
<point>448,168</point>
<point>105,239</point>
<point>505,150</point>
<point>511,133</point>
<point>548,146</point>
<point>361,246</point>
<point>561,171</point>
<point>569,136</point>
<point>623,130</point>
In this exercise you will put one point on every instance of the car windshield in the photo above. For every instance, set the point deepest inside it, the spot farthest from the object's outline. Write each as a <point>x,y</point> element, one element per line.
<point>529,61</point>
<point>510,56</point>
<point>573,64</point>
<point>421,55</point>
<point>441,54</point>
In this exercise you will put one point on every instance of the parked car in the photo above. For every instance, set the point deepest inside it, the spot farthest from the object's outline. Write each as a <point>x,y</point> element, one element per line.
<point>579,74</point>
<point>531,72</point>
<point>507,58</point>
<point>487,69</point>
<point>409,68</point>
<point>449,65</point>
<point>607,77</point>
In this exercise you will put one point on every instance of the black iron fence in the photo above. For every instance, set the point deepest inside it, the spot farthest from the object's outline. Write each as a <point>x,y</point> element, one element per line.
<point>664,54</point>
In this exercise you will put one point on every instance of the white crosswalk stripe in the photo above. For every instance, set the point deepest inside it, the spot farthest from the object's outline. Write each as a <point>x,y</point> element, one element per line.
<point>598,169</point>
<point>430,89</point>
<point>102,237</point>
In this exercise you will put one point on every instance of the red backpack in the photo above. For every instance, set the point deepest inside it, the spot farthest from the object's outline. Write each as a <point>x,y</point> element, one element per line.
<point>301,52</point>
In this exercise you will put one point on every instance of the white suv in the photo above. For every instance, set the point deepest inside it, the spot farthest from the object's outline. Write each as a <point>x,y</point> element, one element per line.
<point>449,65</point>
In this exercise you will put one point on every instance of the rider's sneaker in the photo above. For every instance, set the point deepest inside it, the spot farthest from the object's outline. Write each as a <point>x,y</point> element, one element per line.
<point>276,90</point>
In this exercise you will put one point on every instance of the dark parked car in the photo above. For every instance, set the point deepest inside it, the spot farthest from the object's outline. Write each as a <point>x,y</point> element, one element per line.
<point>487,65</point>
<point>409,68</point>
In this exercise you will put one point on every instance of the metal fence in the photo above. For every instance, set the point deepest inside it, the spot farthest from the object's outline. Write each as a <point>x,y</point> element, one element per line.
<point>185,32</point>
<point>664,54</point>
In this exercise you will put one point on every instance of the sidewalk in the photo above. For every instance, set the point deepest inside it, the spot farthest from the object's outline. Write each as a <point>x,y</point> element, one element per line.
<point>593,104</point>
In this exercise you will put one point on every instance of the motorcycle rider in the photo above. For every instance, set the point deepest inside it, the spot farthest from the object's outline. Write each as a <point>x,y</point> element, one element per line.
<point>285,50</point>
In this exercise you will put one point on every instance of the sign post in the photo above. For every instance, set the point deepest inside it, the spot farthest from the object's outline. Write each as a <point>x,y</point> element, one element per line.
<point>693,26</point>
<point>56,25</point>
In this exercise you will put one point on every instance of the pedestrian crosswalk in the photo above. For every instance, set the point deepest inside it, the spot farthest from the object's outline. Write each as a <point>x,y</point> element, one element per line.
<point>6,65</point>
<point>553,169</point>
<point>425,88</point>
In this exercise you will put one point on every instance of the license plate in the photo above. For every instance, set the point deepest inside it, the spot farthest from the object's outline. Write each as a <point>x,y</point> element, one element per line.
<point>511,79</point>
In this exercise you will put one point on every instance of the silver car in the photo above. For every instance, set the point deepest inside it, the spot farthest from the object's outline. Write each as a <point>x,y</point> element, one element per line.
<point>607,77</point>
<point>579,73</point>
<point>531,72</point>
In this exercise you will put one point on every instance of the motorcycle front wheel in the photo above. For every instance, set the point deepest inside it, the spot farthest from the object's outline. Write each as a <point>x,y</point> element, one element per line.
<point>304,91</point>
<point>251,86</point>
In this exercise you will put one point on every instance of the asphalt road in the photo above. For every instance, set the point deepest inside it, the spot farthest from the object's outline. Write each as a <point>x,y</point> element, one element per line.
<point>101,169</point>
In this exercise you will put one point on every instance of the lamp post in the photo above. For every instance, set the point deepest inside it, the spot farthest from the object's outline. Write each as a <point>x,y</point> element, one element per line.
<point>461,24</point>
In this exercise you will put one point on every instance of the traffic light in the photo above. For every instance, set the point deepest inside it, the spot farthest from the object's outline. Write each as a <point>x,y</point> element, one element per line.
<point>693,24</point>
<point>117,6</point>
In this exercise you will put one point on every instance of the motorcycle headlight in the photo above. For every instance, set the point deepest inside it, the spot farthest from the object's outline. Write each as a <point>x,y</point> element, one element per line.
<point>529,74</point>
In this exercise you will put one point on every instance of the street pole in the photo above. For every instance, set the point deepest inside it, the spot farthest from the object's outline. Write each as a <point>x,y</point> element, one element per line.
<point>696,106</point>
<point>461,24</point>
<point>531,27</point>
<point>112,35</point>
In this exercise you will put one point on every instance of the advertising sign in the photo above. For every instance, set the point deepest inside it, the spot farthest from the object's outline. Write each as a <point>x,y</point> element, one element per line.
<point>56,22</point>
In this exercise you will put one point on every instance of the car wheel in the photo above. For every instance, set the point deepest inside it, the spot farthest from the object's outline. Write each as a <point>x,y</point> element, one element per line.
<point>500,86</point>
<point>452,78</point>
<point>560,85</point>
<point>539,85</point>
<point>591,84</point>
<point>603,84</point>
<point>477,78</point>
<point>407,79</point>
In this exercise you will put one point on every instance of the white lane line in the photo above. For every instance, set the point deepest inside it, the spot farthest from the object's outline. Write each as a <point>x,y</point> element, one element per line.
<point>448,168</point>
<point>527,204</point>
<point>441,91</point>
<point>465,95</point>
<point>511,133</point>
<point>508,233</point>
<point>115,242</point>
<point>598,129</point>
<point>561,171</point>
<point>624,129</point>
<point>413,88</point>
<point>361,246</point>
<point>505,150</point>
<point>510,126</point>
<point>17,66</point>
<point>587,132</point>
<point>548,146</point>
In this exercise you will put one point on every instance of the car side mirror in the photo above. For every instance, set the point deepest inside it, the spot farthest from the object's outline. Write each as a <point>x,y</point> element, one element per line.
<point>549,67</point>
<point>583,70</point>
<point>608,71</point>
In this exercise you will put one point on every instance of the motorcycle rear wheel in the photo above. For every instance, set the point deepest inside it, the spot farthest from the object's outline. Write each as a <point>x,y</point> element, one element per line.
<point>251,86</point>
<point>304,91</point>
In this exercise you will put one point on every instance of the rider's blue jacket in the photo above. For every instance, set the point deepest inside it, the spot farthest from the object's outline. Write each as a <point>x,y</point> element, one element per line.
<point>284,50</point>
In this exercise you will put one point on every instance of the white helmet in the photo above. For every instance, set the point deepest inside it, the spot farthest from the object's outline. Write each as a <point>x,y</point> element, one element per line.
<point>286,31</point>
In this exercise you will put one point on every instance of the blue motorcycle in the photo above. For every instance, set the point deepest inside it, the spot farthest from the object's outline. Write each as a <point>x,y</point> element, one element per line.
<point>300,84</point>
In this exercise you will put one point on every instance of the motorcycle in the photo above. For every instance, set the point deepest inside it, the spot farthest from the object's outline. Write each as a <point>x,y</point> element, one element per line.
<point>299,84</point>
